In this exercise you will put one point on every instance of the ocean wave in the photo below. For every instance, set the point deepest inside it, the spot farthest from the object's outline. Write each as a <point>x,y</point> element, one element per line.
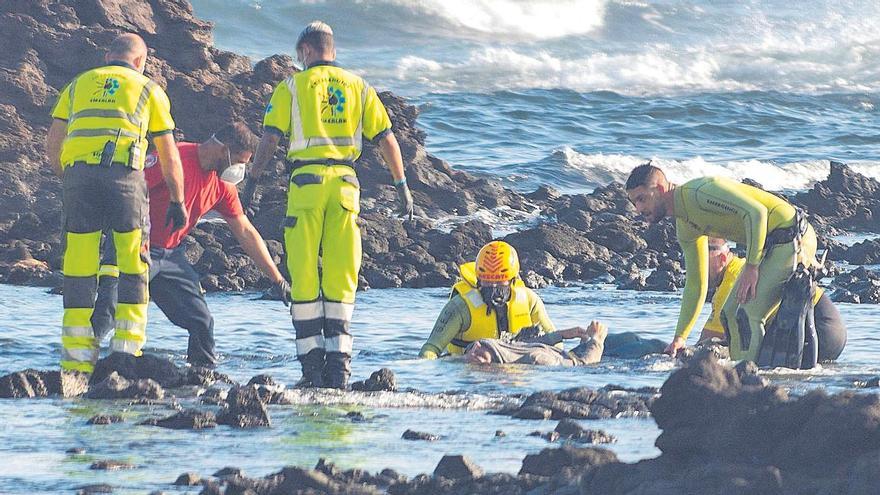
<point>541,20</point>
<point>599,169</point>
<point>626,46</point>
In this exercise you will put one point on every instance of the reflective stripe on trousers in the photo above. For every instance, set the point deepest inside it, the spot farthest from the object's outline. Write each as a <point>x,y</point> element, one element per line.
<point>95,197</point>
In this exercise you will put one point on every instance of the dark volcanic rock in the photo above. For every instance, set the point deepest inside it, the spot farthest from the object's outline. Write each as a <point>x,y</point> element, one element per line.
<point>94,488</point>
<point>244,410</point>
<point>190,419</point>
<point>381,380</point>
<point>418,435</point>
<point>864,253</point>
<point>845,200</point>
<point>582,403</point>
<point>668,277</point>
<point>229,472</point>
<point>117,387</point>
<point>188,479</point>
<point>857,286</point>
<point>161,370</point>
<point>104,419</point>
<point>551,461</point>
<point>814,430</point>
<point>34,383</point>
<point>568,429</point>
<point>457,467</point>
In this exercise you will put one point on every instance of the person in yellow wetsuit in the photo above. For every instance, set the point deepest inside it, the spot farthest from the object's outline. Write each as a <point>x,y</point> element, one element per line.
<point>776,236</point>
<point>489,301</point>
<point>724,270</point>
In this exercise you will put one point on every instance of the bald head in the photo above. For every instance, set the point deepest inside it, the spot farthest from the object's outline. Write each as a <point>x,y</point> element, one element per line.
<point>129,48</point>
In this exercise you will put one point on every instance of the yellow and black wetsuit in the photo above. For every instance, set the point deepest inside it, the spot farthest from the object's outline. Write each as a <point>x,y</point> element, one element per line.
<point>464,318</point>
<point>718,207</point>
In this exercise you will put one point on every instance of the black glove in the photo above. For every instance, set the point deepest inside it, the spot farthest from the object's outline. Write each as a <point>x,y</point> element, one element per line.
<point>404,201</point>
<point>281,290</point>
<point>176,216</point>
<point>247,197</point>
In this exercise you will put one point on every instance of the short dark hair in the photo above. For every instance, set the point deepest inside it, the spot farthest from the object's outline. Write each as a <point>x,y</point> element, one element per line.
<point>643,174</point>
<point>238,137</point>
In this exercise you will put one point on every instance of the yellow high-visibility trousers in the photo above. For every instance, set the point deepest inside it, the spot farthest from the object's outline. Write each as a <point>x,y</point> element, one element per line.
<point>321,223</point>
<point>95,197</point>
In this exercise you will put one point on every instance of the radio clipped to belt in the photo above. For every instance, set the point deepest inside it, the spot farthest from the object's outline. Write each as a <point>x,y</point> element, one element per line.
<point>109,151</point>
<point>135,152</point>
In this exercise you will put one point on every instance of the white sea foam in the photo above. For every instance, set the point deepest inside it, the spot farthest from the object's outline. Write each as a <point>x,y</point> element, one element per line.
<point>599,169</point>
<point>519,19</point>
<point>626,46</point>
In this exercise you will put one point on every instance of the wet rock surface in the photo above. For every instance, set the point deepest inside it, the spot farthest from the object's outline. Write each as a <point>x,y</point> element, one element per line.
<point>579,237</point>
<point>381,380</point>
<point>244,409</point>
<point>148,366</point>
<point>418,435</point>
<point>189,419</point>
<point>115,386</point>
<point>104,419</point>
<point>457,467</point>
<point>581,403</point>
<point>35,383</point>
<point>773,443</point>
<point>859,286</point>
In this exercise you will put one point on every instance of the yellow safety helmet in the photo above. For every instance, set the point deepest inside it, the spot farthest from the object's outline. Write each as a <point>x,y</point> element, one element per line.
<point>497,262</point>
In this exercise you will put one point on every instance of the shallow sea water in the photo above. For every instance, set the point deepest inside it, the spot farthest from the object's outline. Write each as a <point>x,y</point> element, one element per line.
<point>389,326</point>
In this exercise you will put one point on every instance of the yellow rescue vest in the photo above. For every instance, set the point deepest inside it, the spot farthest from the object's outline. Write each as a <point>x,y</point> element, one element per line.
<point>106,103</point>
<point>731,275</point>
<point>485,326</point>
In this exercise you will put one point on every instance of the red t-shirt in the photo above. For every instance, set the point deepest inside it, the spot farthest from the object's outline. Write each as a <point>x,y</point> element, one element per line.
<point>202,191</point>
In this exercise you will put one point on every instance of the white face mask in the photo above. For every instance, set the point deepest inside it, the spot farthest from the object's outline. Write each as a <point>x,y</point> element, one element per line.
<point>233,173</point>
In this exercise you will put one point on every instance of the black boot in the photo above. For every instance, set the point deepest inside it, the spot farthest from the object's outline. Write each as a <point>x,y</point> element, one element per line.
<point>337,369</point>
<point>312,369</point>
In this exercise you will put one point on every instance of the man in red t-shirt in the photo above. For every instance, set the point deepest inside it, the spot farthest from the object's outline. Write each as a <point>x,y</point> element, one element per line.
<point>210,170</point>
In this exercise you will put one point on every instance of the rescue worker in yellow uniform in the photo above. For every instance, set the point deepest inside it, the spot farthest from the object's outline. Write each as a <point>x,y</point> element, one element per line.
<point>724,270</point>
<point>489,301</point>
<point>327,112</point>
<point>776,236</point>
<point>97,143</point>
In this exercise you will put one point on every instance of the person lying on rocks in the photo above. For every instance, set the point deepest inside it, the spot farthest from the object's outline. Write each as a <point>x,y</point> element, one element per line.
<point>776,236</point>
<point>211,170</point>
<point>488,301</point>
<point>724,269</point>
<point>540,349</point>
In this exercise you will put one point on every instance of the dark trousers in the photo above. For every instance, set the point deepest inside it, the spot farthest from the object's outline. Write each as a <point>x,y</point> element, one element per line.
<point>175,288</point>
<point>830,329</point>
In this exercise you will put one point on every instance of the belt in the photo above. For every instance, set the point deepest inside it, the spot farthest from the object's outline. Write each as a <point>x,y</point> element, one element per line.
<point>789,234</point>
<point>296,164</point>
<point>82,163</point>
<point>460,343</point>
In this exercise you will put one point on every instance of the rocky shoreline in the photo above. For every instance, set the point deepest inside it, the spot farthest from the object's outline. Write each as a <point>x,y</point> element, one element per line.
<point>578,238</point>
<point>724,430</point>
